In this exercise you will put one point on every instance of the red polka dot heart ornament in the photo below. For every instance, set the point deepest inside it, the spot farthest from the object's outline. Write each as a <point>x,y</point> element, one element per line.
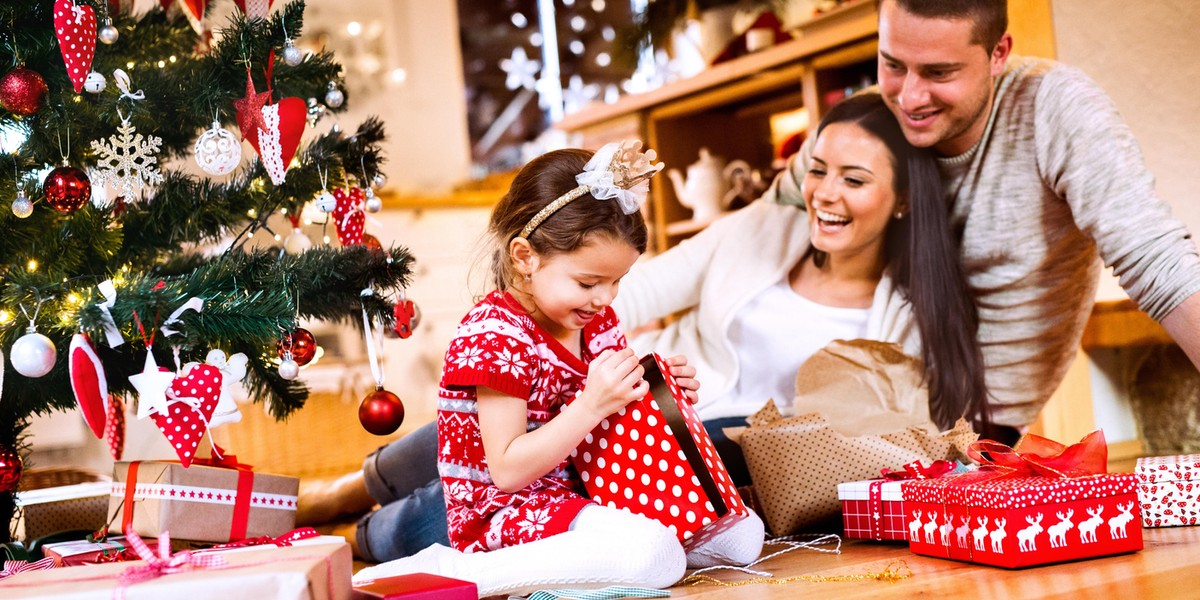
<point>191,400</point>
<point>75,26</point>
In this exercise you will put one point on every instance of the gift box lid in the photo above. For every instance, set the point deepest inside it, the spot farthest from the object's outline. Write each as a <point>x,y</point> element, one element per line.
<point>989,490</point>
<point>64,492</point>
<point>889,491</point>
<point>1159,469</point>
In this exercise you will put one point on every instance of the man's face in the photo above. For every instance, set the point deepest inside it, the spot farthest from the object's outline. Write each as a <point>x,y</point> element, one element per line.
<point>935,80</point>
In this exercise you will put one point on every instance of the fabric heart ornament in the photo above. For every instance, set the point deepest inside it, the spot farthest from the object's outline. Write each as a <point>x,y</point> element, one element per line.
<point>194,11</point>
<point>254,9</point>
<point>277,140</point>
<point>75,26</point>
<point>191,400</point>
<point>88,383</point>
<point>348,215</point>
<point>114,427</point>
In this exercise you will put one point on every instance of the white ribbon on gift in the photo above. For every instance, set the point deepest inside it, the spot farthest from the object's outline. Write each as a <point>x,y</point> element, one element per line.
<point>193,303</point>
<point>109,290</point>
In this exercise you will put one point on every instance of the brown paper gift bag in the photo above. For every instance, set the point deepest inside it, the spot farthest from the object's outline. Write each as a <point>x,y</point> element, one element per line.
<point>860,406</point>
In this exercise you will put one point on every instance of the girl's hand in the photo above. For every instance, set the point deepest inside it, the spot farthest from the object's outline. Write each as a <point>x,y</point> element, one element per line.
<point>614,380</point>
<point>685,376</point>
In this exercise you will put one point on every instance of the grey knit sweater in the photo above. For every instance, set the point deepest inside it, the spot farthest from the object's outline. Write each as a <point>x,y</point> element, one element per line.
<point>1056,180</point>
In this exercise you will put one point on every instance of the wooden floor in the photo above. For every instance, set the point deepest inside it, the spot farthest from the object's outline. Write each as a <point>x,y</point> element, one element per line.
<point>1168,567</point>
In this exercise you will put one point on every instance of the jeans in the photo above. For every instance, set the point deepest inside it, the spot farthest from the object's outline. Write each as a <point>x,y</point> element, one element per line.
<point>403,478</point>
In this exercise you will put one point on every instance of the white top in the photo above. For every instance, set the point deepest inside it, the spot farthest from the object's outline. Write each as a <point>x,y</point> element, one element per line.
<point>771,347</point>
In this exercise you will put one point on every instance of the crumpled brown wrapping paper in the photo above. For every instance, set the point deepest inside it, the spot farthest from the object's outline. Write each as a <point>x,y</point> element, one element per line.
<point>860,406</point>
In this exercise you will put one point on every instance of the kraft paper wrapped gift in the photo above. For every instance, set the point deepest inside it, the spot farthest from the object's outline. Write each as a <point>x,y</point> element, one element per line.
<point>82,506</point>
<point>654,458</point>
<point>201,503</point>
<point>319,571</point>
<point>1169,490</point>
<point>860,407</point>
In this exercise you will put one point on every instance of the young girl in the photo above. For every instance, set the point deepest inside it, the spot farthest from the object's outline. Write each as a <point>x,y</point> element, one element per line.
<point>566,233</point>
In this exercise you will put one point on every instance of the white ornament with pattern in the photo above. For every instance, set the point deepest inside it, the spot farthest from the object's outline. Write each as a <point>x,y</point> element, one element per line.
<point>217,151</point>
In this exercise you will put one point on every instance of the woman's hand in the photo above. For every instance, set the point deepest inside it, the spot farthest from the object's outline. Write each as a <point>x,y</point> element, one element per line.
<point>614,380</point>
<point>685,376</point>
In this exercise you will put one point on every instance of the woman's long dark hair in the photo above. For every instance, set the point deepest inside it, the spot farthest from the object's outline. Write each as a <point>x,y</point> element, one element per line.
<point>922,254</point>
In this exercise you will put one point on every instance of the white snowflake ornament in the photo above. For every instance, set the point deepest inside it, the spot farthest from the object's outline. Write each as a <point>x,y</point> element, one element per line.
<point>217,151</point>
<point>128,161</point>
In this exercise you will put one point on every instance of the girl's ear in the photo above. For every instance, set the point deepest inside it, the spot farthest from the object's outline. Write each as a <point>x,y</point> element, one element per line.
<point>522,255</point>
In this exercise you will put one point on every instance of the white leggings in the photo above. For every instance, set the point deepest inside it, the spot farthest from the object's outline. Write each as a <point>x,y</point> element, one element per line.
<point>603,547</point>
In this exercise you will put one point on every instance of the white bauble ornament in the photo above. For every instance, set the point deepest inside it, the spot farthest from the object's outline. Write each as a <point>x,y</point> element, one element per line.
<point>217,151</point>
<point>288,369</point>
<point>372,204</point>
<point>33,354</point>
<point>334,97</point>
<point>296,242</point>
<point>94,84</point>
<point>22,206</point>
<point>108,34</point>
<point>326,202</point>
<point>291,54</point>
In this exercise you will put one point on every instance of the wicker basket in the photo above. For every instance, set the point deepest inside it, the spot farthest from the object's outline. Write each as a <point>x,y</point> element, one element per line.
<point>41,478</point>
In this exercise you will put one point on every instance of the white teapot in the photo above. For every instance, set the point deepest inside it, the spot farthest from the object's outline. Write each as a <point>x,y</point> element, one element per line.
<point>708,189</point>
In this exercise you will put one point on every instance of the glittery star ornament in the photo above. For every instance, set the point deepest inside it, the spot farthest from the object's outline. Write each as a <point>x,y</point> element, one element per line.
<point>249,111</point>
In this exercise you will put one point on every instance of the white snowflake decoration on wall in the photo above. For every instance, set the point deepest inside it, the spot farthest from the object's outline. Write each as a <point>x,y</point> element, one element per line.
<point>128,160</point>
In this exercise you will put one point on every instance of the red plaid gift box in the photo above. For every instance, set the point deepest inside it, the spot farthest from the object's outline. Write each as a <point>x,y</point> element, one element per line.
<point>1026,508</point>
<point>416,586</point>
<point>1169,490</point>
<point>872,509</point>
<point>654,458</point>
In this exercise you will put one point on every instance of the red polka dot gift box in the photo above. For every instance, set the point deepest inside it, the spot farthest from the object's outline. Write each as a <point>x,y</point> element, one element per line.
<point>1026,508</point>
<point>654,458</point>
<point>1169,490</point>
<point>200,503</point>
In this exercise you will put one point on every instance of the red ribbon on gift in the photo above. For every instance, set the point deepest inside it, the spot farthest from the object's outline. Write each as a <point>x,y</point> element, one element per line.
<point>161,563</point>
<point>915,470</point>
<point>12,567</point>
<point>286,539</point>
<point>1041,457</point>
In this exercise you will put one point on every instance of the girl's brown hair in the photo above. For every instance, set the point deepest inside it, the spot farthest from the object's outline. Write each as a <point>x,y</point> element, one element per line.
<point>576,224</point>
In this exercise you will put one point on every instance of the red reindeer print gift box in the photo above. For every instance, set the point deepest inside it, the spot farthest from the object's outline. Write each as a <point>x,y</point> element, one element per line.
<point>1169,490</point>
<point>1023,509</point>
<point>654,458</point>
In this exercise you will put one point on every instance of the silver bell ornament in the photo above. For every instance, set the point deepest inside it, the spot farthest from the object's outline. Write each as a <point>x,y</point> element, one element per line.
<point>94,84</point>
<point>326,202</point>
<point>291,54</point>
<point>33,354</point>
<point>334,97</point>
<point>22,206</point>
<point>372,203</point>
<point>108,34</point>
<point>288,369</point>
<point>296,242</point>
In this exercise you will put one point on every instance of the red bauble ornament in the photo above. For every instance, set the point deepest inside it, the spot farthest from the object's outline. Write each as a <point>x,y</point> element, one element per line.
<point>67,189</point>
<point>301,344</point>
<point>23,91</point>
<point>372,242</point>
<point>10,466</point>
<point>381,412</point>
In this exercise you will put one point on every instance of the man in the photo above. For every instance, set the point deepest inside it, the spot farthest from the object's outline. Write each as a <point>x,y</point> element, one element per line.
<point>1041,176</point>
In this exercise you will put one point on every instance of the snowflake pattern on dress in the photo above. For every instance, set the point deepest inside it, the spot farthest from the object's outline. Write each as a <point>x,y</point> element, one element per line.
<point>127,161</point>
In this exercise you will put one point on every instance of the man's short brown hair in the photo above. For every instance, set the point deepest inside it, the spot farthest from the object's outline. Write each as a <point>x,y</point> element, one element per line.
<point>989,17</point>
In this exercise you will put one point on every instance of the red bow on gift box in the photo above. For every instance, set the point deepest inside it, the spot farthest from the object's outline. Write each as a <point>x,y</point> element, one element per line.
<point>162,562</point>
<point>915,470</point>
<point>1041,457</point>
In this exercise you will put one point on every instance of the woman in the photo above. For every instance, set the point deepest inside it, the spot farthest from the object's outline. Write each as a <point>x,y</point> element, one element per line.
<point>763,289</point>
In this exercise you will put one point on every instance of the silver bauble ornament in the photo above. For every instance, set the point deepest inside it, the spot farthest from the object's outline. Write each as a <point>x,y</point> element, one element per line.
<point>378,181</point>
<point>94,84</point>
<point>291,54</point>
<point>108,34</point>
<point>217,151</point>
<point>334,97</point>
<point>372,204</point>
<point>296,242</point>
<point>22,207</point>
<point>33,354</point>
<point>288,369</point>
<point>326,202</point>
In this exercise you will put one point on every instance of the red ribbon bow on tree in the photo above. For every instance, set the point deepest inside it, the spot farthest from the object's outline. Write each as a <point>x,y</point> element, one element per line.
<point>915,470</point>
<point>1041,457</point>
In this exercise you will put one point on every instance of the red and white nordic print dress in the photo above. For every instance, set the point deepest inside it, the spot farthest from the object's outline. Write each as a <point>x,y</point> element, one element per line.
<point>499,346</point>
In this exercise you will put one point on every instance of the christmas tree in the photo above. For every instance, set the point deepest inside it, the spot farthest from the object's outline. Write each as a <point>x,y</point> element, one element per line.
<point>113,235</point>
